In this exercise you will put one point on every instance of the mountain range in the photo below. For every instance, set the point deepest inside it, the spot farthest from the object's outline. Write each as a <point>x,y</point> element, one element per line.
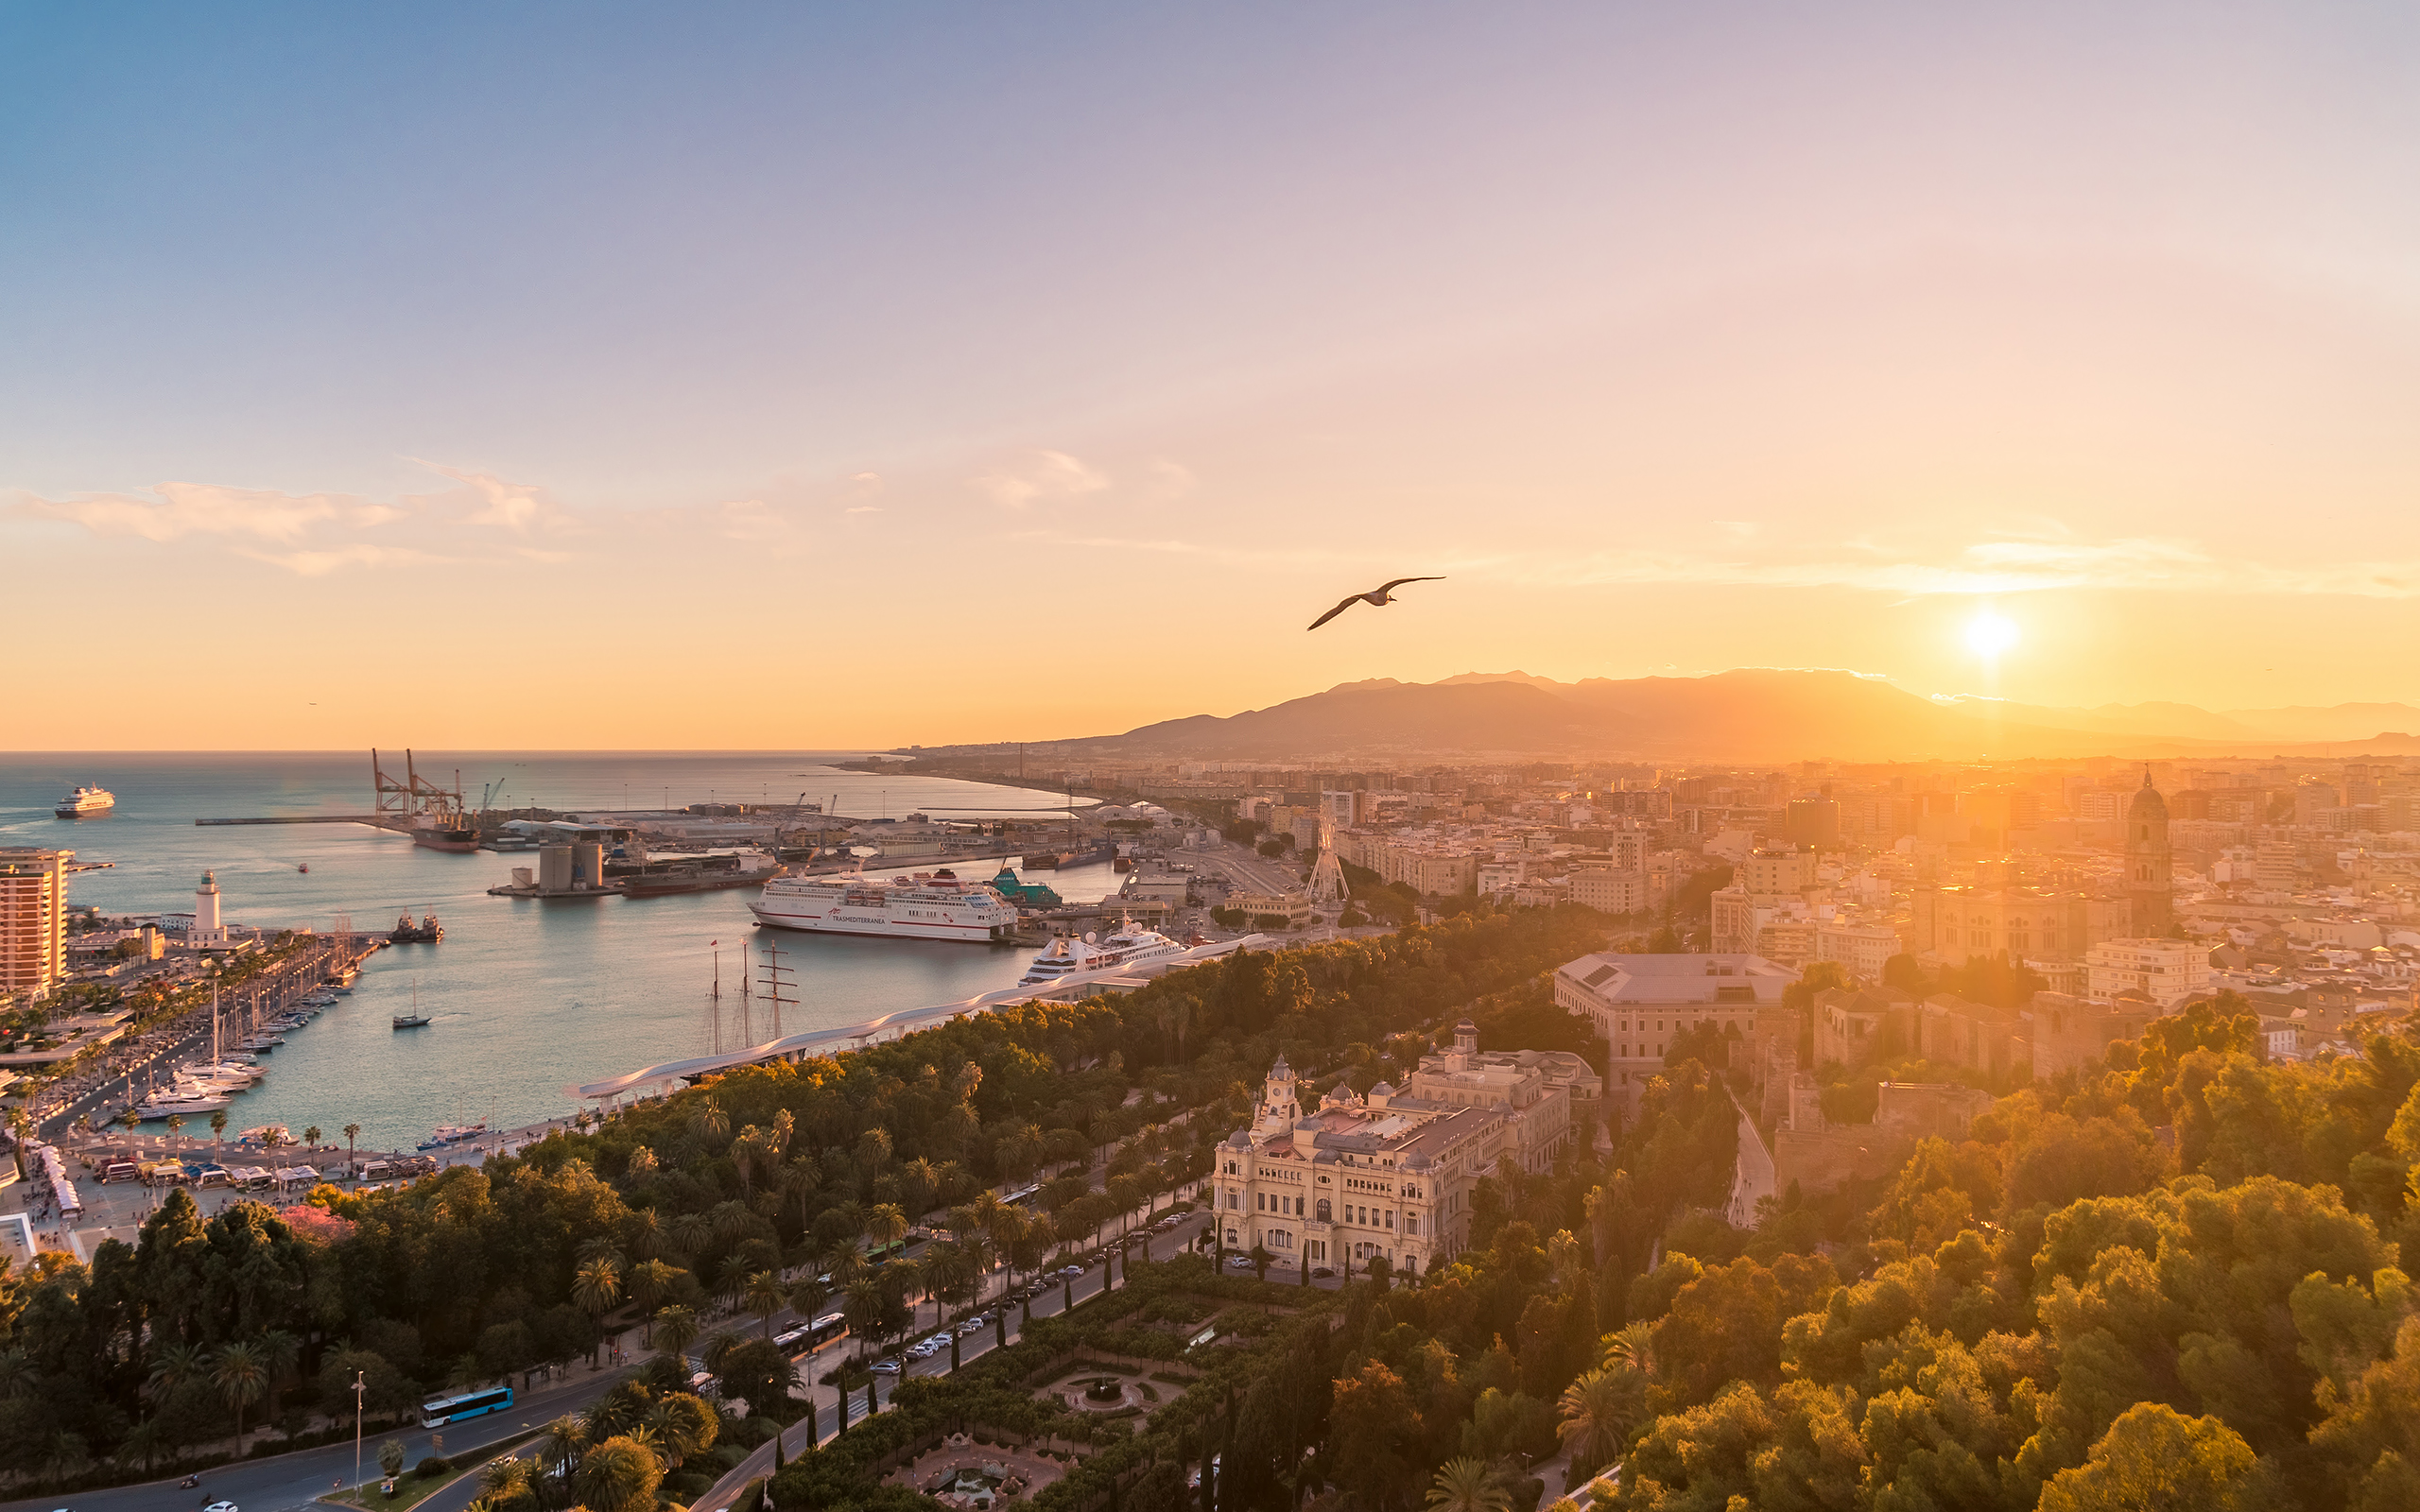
<point>1747,714</point>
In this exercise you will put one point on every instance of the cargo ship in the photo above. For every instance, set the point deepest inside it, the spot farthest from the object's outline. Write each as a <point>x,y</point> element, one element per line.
<point>86,804</point>
<point>929,905</point>
<point>445,832</point>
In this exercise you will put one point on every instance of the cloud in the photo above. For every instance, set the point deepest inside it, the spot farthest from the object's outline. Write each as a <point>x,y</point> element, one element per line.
<point>180,510</point>
<point>515,506</point>
<point>1040,475</point>
<point>317,563</point>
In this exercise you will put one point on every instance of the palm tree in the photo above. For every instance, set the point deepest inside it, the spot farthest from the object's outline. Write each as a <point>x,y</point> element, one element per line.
<point>691,1232</point>
<point>175,1364</point>
<point>596,1287</point>
<point>502,1480</point>
<point>619,1475</point>
<point>311,1136</point>
<point>1464,1484</point>
<point>1598,1411</point>
<point>650,1281</point>
<point>798,1182</point>
<point>732,1221</point>
<point>142,1442</point>
<point>863,1306</point>
<point>675,1330</point>
<point>646,1232</point>
<point>566,1440</point>
<point>1630,1345</point>
<point>683,1426</point>
<point>219,1132</point>
<point>808,1296</point>
<point>886,1224</point>
<point>766,1297</point>
<point>708,1122</point>
<point>176,1122</point>
<point>241,1373</point>
<point>352,1132</point>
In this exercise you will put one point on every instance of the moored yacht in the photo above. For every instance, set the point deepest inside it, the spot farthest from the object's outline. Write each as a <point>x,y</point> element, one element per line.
<point>1067,957</point>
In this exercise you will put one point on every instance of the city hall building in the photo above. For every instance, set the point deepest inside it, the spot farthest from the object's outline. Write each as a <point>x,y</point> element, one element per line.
<point>1390,1175</point>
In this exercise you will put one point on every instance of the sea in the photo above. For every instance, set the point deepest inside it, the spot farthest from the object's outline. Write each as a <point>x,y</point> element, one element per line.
<point>528,998</point>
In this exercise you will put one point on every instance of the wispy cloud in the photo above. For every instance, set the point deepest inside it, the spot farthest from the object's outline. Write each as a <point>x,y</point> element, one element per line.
<point>173,510</point>
<point>1038,474</point>
<point>318,563</point>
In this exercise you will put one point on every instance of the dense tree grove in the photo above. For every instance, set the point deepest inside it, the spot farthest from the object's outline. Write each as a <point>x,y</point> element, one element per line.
<point>204,1333</point>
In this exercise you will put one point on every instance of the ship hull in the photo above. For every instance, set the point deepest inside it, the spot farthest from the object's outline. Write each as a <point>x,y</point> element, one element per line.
<point>70,811</point>
<point>845,921</point>
<point>454,842</point>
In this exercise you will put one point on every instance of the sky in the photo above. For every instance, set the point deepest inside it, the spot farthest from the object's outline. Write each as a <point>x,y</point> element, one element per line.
<point>818,377</point>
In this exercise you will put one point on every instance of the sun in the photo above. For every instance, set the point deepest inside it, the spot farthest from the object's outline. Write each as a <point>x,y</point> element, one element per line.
<point>1990,634</point>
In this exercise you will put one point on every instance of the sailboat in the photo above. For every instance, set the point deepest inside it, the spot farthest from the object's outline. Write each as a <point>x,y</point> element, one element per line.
<point>414,1019</point>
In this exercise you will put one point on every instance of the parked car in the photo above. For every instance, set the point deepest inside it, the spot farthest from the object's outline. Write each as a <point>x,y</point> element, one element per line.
<point>1240,1263</point>
<point>887,1366</point>
<point>1322,1274</point>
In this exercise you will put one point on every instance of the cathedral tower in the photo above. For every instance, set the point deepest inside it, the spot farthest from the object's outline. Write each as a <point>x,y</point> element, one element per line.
<point>2146,863</point>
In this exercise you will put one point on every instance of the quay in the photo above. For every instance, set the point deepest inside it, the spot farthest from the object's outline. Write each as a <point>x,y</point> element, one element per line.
<point>664,1076</point>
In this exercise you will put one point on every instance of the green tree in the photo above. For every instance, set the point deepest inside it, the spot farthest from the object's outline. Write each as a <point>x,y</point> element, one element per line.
<point>594,1288</point>
<point>390,1457</point>
<point>2154,1459</point>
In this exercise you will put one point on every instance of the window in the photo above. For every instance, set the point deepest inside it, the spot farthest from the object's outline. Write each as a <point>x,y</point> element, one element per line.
<point>1411,1223</point>
<point>1235,1199</point>
<point>1323,1211</point>
<point>1390,1220</point>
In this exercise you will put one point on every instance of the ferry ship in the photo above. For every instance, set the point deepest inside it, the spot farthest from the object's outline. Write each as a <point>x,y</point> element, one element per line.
<point>86,804</point>
<point>1067,957</point>
<point>929,905</point>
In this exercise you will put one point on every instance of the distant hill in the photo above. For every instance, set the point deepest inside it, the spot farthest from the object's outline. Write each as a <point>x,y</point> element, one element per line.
<point>1747,714</point>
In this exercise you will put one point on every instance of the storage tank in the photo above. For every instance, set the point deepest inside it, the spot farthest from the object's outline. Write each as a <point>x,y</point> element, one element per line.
<point>524,876</point>
<point>588,864</point>
<point>554,868</point>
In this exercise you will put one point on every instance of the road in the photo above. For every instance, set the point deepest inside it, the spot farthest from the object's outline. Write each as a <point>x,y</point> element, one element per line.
<point>288,1481</point>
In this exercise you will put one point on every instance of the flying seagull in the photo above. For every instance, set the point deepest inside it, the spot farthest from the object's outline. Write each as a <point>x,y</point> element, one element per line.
<point>1378,597</point>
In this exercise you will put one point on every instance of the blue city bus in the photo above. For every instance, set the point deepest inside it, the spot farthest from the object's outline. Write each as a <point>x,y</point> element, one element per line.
<point>443,1410</point>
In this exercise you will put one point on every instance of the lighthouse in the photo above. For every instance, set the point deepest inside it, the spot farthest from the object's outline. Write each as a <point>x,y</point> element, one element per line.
<point>206,927</point>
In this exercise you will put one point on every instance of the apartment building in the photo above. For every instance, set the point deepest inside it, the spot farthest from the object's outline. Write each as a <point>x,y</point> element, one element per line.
<point>1862,948</point>
<point>33,921</point>
<point>2164,970</point>
<point>1608,890</point>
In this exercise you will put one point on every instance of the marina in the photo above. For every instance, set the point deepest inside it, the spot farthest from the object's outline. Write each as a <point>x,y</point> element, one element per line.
<point>523,996</point>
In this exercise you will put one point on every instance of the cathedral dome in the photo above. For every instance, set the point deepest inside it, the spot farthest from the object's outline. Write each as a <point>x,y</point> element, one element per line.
<point>2147,804</point>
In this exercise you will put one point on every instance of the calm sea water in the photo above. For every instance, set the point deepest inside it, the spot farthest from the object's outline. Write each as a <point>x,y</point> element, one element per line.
<point>529,997</point>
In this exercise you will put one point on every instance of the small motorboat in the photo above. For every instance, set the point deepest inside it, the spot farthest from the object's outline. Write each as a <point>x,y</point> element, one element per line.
<point>304,867</point>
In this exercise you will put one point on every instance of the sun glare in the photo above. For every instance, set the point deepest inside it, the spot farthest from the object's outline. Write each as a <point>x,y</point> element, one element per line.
<point>1989,634</point>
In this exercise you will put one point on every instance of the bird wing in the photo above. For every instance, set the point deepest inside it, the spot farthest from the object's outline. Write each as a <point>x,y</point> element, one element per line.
<point>1350,600</point>
<point>1389,588</point>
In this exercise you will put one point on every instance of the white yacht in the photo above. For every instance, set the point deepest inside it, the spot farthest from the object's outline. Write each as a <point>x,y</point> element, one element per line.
<point>1067,956</point>
<point>929,905</point>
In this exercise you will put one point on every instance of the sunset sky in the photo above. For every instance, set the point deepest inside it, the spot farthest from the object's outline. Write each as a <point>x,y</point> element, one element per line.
<point>747,375</point>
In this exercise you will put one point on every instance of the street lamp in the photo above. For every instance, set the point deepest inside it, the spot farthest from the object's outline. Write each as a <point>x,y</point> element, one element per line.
<point>356,1428</point>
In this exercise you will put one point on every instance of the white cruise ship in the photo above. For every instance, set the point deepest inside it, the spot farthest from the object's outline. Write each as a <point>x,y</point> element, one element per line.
<point>929,905</point>
<point>86,804</point>
<point>1065,956</point>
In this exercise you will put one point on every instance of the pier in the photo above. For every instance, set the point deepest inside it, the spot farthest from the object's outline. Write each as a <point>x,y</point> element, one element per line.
<point>891,1025</point>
